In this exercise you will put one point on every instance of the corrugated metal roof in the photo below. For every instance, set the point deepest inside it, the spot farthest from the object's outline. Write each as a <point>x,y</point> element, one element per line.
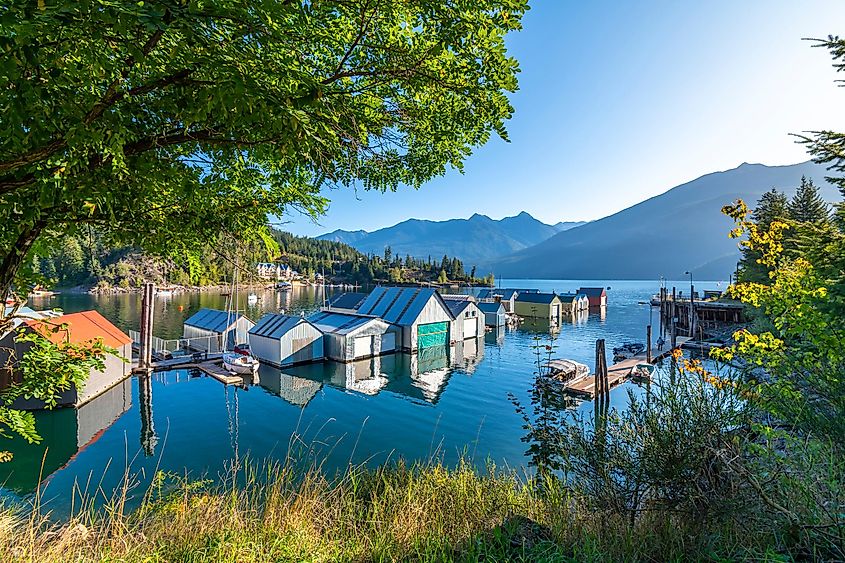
<point>543,298</point>
<point>399,305</point>
<point>488,307</point>
<point>339,323</point>
<point>348,300</point>
<point>457,307</point>
<point>214,319</point>
<point>275,325</point>
<point>456,297</point>
<point>81,327</point>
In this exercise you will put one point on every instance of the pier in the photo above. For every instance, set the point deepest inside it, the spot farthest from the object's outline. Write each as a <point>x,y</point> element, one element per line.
<point>618,372</point>
<point>208,363</point>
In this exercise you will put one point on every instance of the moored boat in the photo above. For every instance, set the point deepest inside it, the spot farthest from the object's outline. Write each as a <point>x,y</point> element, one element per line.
<point>566,371</point>
<point>239,363</point>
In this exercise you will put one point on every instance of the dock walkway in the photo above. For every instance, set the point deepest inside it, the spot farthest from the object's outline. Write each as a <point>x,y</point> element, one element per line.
<point>210,364</point>
<point>618,372</point>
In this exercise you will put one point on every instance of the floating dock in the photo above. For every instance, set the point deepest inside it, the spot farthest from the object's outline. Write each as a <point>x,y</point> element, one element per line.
<point>210,364</point>
<point>618,372</point>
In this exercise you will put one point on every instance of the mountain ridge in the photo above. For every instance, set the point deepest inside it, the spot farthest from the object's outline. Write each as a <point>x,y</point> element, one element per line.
<point>474,239</point>
<point>644,241</point>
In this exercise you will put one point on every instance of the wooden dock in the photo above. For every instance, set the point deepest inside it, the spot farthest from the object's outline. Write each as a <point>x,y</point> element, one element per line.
<point>210,364</point>
<point>216,370</point>
<point>618,372</point>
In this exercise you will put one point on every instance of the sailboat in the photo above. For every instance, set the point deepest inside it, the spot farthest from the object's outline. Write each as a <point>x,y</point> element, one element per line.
<point>233,361</point>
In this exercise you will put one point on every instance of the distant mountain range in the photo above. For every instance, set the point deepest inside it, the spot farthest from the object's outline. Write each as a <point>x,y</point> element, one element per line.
<point>474,240</point>
<point>679,230</point>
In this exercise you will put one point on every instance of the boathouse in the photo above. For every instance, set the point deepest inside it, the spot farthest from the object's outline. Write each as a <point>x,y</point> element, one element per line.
<point>206,328</point>
<point>572,303</point>
<point>538,305</point>
<point>348,337</point>
<point>494,313</point>
<point>469,320</point>
<point>596,295</point>
<point>347,302</point>
<point>506,296</point>
<point>281,340</point>
<point>420,313</point>
<point>78,328</point>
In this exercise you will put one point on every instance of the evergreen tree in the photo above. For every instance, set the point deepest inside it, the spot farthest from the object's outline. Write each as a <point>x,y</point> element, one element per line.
<point>807,206</point>
<point>772,206</point>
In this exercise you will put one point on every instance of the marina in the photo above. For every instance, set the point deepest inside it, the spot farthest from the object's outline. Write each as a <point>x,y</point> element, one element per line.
<point>444,401</point>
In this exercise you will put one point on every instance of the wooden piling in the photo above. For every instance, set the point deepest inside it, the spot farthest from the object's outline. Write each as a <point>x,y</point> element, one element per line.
<point>692,311</point>
<point>145,346</point>
<point>648,343</point>
<point>673,326</point>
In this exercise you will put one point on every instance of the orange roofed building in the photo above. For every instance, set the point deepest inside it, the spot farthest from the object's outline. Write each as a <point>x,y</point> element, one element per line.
<point>83,327</point>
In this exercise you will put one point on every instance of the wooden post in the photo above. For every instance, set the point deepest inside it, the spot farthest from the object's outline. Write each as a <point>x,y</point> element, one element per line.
<point>674,327</point>
<point>596,384</point>
<point>648,343</point>
<point>606,384</point>
<point>692,311</point>
<point>145,351</point>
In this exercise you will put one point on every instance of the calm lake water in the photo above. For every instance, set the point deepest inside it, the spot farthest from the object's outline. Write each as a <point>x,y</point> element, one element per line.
<point>443,403</point>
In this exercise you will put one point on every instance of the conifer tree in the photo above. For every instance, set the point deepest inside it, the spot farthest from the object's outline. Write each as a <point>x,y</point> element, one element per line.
<point>772,206</point>
<point>807,206</point>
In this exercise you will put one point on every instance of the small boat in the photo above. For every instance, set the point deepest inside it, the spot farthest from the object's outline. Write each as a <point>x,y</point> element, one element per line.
<point>284,286</point>
<point>642,371</point>
<point>238,363</point>
<point>566,371</point>
<point>627,350</point>
<point>252,299</point>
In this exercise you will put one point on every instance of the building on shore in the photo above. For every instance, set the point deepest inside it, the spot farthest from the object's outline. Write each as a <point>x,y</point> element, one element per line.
<point>597,296</point>
<point>282,340</point>
<point>348,337</point>
<point>538,305</point>
<point>420,313</point>
<point>76,328</point>
<point>275,272</point>
<point>206,330</point>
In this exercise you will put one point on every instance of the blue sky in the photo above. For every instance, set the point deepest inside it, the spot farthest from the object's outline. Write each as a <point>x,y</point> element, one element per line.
<point>620,101</point>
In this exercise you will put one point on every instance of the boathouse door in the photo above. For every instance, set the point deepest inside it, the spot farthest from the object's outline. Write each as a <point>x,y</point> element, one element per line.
<point>433,334</point>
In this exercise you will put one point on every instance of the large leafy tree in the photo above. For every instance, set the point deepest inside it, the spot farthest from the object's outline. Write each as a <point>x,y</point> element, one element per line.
<point>163,124</point>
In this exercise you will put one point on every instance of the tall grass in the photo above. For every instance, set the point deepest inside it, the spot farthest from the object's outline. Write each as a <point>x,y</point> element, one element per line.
<point>271,512</point>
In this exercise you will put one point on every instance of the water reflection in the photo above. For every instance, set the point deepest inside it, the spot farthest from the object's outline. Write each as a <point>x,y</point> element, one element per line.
<point>65,432</point>
<point>420,377</point>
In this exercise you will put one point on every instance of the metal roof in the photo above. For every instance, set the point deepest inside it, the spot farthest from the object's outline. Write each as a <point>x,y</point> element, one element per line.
<point>275,325</point>
<point>330,322</point>
<point>348,300</point>
<point>81,327</point>
<point>567,297</point>
<point>400,305</point>
<point>488,307</point>
<point>543,298</point>
<point>506,294</point>
<point>592,291</point>
<point>214,319</point>
<point>457,306</point>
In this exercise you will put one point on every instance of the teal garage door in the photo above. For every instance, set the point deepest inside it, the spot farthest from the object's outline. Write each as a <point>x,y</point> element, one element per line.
<point>432,334</point>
